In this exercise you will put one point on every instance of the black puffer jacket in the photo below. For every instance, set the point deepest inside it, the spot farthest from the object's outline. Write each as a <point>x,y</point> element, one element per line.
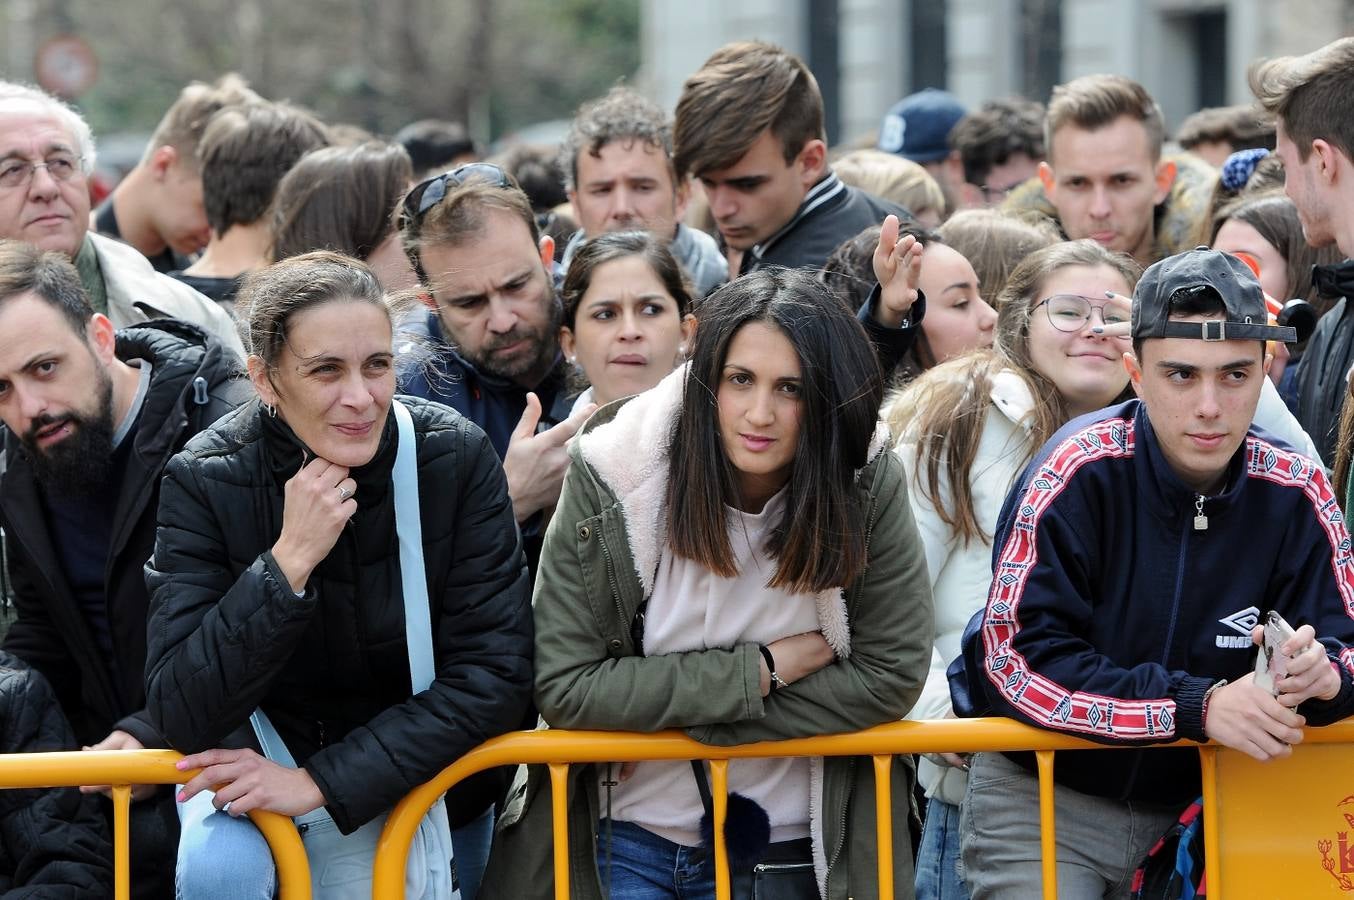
<point>194,381</point>
<point>53,842</point>
<point>331,668</point>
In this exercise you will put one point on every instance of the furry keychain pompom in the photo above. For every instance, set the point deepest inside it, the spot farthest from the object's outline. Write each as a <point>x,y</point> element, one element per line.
<point>747,831</point>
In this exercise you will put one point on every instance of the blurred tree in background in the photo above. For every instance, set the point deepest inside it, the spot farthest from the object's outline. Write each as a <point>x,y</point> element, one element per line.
<point>495,64</point>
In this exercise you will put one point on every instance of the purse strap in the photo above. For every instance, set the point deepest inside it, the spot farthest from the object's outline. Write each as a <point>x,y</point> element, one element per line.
<point>418,626</point>
<point>418,632</point>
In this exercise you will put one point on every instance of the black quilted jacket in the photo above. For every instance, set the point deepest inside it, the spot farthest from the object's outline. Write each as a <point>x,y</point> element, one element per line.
<point>53,843</point>
<point>227,634</point>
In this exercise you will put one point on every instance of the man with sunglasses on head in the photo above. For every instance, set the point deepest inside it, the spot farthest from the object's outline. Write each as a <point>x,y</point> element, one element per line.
<point>488,345</point>
<point>1132,564</point>
<point>46,155</point>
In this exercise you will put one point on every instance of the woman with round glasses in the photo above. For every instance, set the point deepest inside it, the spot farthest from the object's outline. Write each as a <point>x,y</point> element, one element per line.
<point>967,427</point>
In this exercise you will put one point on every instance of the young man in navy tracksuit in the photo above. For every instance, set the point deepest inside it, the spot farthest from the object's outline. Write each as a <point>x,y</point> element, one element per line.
<point>1131,565</point>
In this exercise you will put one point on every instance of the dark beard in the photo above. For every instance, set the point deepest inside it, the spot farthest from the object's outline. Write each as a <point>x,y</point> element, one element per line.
<point>82,464</point>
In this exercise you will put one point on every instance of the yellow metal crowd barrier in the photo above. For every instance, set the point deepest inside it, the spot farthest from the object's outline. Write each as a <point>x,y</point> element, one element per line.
<point>1254,806</point>
<point>124,768</point>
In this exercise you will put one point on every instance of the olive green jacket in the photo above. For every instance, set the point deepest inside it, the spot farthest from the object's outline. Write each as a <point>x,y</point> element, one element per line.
<point>601,553</point>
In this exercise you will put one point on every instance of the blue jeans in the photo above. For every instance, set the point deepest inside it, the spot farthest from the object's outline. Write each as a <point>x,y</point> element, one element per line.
<point>644,866</point>
<point>937,875</point>
<point>470,843</point>
<point>221,856</point>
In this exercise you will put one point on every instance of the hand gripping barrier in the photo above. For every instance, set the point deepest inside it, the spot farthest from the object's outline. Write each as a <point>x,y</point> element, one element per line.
<point>1273,815</point>
<point>124,768</point>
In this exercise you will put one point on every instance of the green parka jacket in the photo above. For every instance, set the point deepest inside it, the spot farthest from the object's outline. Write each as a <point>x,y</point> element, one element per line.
<point>601,552</point>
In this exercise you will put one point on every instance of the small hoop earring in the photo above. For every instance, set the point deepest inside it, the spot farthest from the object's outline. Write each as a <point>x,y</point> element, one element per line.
<point>272,410</point>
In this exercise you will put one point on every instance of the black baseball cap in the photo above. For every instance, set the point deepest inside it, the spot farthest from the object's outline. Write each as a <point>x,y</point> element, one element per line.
<point>1196,271</point>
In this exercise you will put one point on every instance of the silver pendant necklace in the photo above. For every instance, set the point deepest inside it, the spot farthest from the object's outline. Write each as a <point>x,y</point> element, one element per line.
<point>1200,520</point>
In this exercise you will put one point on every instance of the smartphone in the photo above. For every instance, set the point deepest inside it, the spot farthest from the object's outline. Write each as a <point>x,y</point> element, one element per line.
<point>1270,662</point>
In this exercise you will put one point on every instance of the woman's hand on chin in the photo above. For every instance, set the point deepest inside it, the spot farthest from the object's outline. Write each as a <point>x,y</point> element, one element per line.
<point>317,503</point>
<point>245,782</point>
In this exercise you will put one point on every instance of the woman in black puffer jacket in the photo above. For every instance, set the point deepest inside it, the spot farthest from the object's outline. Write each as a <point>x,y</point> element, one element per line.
<point>276,585</point>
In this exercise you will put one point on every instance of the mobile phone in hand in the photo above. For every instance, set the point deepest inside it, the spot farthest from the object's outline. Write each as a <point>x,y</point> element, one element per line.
<point>1270,662</point>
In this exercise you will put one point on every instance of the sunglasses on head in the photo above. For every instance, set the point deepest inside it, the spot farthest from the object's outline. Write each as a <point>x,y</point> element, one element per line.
<point>428,193</point>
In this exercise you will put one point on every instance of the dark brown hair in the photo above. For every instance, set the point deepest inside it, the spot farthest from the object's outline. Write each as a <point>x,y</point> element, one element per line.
<point>1243,127</point>
<point>943,411</point>
<point>1000,129</point>
<point>741,91</point>
<point>605,248</point>
<point>458,218</point>
<point>50,275</point>
<point>341,199</point>
<point>820,541</point>
<point>275,295</point>
<point>1312,95</point>
<point>244,153</point>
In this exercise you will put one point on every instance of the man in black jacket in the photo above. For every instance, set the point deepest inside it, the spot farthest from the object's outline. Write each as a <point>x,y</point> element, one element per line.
<point>91,417</point>
<point>1312,97</point>
<point>749,126</point>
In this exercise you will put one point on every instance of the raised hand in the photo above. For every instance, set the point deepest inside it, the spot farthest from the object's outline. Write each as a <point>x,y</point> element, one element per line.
<point>535,463</point>
<point>897,267</point>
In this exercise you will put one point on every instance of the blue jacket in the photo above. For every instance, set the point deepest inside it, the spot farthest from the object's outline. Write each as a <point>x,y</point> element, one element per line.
<point>1110,615</point>
<point>430,368</point>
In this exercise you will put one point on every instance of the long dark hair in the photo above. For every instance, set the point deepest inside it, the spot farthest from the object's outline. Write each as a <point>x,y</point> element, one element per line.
<point>820,541</point>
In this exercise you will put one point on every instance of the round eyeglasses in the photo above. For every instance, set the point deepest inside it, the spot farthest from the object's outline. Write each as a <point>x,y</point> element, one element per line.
<point>1071,312</point>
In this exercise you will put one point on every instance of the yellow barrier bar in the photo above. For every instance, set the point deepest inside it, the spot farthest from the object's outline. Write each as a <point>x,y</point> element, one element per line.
<point>555,746</point>
<point>719,788</point>
<point>1208,767</point>
<point>123,768</point>
<point>122,856</point>
<point>1048,834</point>
<point>559,814</point>
<point>883,819</point>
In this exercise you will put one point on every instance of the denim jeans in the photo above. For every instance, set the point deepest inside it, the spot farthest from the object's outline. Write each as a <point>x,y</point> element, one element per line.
<point>644,866</point>
<point>1100,841</point>
<point>938,876</point>
<point>221,856</point>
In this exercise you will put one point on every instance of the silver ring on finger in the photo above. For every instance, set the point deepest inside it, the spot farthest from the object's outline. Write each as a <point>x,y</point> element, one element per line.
<point>344,494</point>
<point>225,807</point>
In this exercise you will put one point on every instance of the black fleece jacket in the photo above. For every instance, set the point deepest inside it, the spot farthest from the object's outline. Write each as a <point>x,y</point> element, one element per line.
<point>331,668</point>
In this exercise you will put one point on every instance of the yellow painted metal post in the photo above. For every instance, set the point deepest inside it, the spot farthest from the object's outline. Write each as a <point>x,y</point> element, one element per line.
<point>122,854</point>
<point>1208,766</point>
<point>883,819</point>
<point>559,805</point>
<point>1048,834</point>
<point>719,787</point>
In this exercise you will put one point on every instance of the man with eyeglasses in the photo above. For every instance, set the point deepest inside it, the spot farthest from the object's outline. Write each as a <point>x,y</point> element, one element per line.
<point>999,146</point>
<point>1132,564</point>
<point>46,155</point>
<point>488,345</point>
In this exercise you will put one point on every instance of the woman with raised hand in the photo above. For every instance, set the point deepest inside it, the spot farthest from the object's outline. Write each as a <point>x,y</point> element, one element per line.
<point>733,554</point>
<point>627,315</point>
<point>966,429</point>
<point>287,580</point>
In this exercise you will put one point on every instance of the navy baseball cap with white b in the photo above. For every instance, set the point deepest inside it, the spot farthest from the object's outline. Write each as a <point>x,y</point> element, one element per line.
<point>1199,270</point>
<point>918,126</point>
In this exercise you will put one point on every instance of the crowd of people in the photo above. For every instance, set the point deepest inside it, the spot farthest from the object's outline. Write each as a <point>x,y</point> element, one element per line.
<point>327,457</point>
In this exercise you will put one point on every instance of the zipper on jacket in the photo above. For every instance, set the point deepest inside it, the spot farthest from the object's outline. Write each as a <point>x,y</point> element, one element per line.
<point>846,806</point>
<point>323,737</point>
<point>611,576</point>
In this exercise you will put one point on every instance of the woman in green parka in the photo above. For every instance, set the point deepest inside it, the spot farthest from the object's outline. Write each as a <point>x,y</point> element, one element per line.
<point>733,554</point>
